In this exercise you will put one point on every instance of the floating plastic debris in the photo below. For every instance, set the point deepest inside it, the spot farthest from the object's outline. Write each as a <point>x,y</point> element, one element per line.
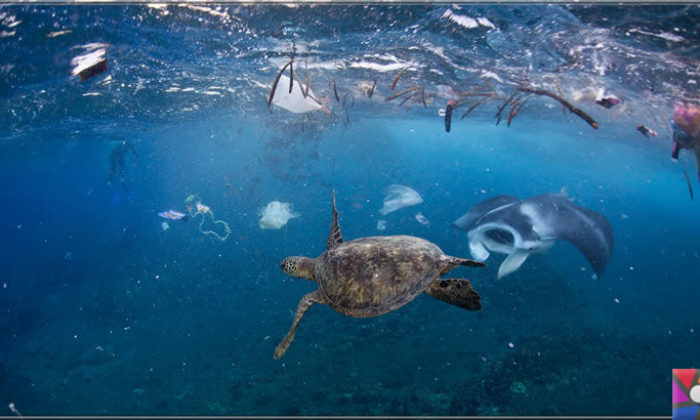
<point>688,120</point>
<point>89,64</point>
<point>381,224</point>
<point>646,131</point>
<point>204,210</point>
<point>276,214</point>
<point>14,410</point>
<point>295,101</point>
<point>422,219</point>
<point>58,33</point>
<point>518,387</point>
<point>165,226</point>
<point>398,197</point>
<point>608,101</point>
<point>686,131</point>
<point>172,215</point>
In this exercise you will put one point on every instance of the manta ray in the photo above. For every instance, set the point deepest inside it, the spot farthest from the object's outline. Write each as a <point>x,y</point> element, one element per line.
<point>518,228</point>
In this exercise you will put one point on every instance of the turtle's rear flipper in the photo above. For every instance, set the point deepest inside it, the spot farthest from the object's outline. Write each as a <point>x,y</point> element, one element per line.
<point>456,292</point>
<point>304,304</point>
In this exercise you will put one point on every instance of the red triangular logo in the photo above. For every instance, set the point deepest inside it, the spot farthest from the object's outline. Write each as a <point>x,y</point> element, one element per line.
<point>685,375</point>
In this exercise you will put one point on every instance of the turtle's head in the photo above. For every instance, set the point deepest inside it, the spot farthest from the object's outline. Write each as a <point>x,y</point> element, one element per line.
<point>302,267</point>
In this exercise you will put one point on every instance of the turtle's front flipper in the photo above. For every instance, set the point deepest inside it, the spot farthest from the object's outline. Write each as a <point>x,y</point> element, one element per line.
<point>304,304</point>
<point>456,292</point>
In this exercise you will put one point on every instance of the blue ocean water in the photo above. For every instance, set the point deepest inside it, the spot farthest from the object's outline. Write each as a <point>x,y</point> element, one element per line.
<point>106,313</point>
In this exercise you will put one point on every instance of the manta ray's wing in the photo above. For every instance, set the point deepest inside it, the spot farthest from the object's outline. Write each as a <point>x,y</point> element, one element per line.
<point>590,232</point>
<point>471,218</point>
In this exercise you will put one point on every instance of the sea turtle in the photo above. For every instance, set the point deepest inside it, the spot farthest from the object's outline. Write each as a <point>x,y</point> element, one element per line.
<point>371,276</point>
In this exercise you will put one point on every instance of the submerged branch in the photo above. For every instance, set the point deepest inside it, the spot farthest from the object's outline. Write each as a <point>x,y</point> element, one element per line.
<point>561,93</point>
<point>403,92</point>
<point>371,90</point>
<point>306,91</point>
<point>413,95</point>
<point>690,187</point>
<point>516,108</point>
<point>274,85</point>
<point>335,91</point>
<point>473,107</point>
<point>511,100</point>
<point>563,101</point>
<point>396,79</point>
<point>468,94</point>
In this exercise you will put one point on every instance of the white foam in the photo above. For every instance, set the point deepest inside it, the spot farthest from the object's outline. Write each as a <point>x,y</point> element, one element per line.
<point>485,22</point>
<point>664,35</point>
<point>440,52</point>
<point>211,11</point>
<point>491,75</point>
<point>382,68</point>
<point>465,21</point>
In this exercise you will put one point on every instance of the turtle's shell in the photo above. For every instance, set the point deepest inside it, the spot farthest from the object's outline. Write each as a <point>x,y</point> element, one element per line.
<point>372,276</point>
